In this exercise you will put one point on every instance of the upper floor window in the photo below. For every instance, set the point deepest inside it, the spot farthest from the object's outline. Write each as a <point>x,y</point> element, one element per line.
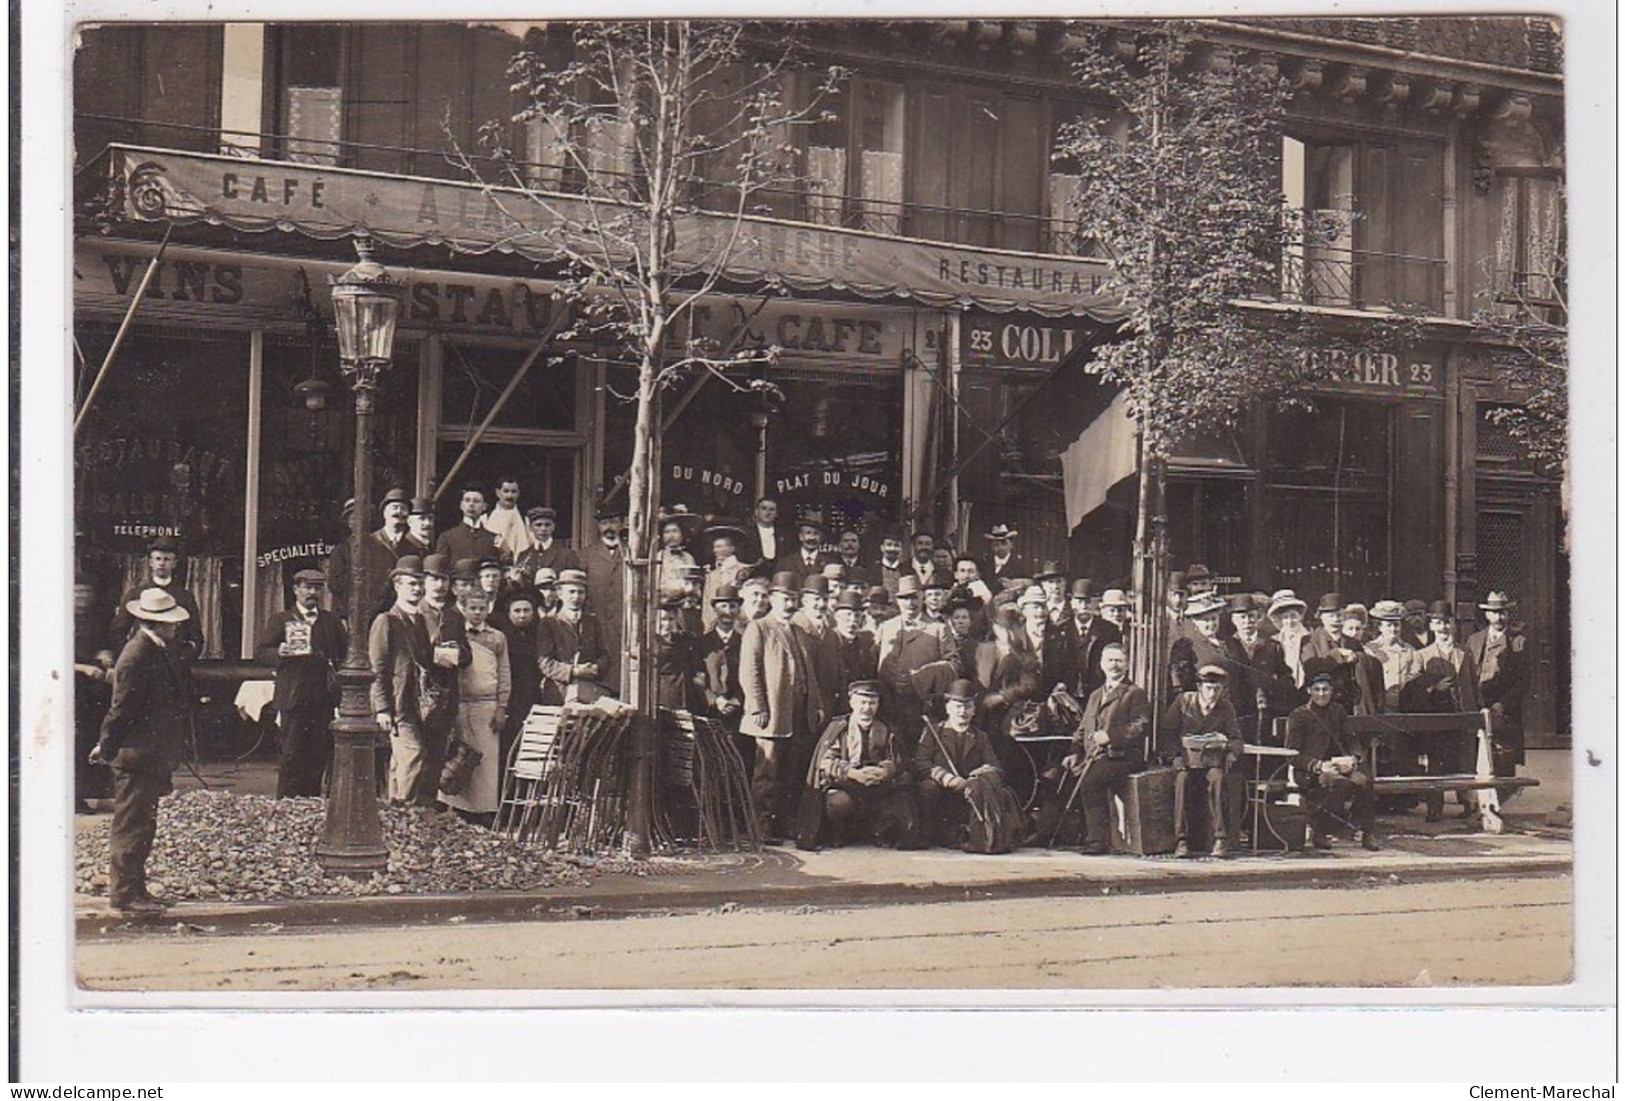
<point>154,85</point>
<point>1372,222</point>
<point>855,155</point>
<point>1530,243</point>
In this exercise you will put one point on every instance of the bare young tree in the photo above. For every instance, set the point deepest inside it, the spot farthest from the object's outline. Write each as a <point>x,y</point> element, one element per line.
<point>650,146</point>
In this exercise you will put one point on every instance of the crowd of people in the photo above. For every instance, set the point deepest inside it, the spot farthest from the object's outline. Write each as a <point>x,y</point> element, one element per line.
<point>922,697</point>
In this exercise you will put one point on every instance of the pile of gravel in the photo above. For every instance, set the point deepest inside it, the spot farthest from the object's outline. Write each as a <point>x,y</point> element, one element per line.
<point>218,845</point>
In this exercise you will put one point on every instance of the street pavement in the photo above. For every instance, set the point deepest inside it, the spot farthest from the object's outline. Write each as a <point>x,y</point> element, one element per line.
<point>1415,852</point>
<point>1514,933</point>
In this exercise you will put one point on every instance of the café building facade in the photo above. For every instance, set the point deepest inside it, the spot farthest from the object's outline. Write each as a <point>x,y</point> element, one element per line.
<point>933,320</point>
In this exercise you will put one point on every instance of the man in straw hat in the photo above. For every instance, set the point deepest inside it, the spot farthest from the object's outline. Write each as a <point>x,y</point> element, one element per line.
<point>1200,645</point>
<point>306,643</point>
<point>1398,657</point>
<point>858,785</point>
<point>783,706</point>
<point>141,738</point>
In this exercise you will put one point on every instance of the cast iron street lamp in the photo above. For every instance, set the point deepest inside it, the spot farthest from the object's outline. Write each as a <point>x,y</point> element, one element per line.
<point>365,304</point>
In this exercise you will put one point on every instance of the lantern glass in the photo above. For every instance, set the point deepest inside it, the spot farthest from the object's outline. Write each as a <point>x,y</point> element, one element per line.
<point>366,304</point>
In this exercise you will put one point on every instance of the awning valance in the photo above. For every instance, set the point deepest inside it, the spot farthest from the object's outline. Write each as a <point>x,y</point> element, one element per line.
<point>407,211</point>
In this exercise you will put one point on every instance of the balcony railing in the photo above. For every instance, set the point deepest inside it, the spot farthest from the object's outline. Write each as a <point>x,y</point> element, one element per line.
<point>1361,278</point>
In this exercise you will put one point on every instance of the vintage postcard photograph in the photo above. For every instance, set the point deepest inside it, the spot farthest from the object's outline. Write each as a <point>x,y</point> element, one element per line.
<point>1074,506</point>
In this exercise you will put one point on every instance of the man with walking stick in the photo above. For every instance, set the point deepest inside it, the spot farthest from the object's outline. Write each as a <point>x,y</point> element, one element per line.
<point>1109,746</point>
<point>959,781</point>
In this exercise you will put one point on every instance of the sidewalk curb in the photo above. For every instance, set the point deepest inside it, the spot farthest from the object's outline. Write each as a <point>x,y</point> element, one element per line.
<point>93,919</point>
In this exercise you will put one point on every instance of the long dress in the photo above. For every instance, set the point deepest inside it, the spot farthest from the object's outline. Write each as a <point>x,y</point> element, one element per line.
<point>485,686</point>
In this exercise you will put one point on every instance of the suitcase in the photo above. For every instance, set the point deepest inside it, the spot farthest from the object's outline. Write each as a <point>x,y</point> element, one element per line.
<point>1143,817</point>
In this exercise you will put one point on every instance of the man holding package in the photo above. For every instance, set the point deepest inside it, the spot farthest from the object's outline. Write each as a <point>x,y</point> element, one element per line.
<point>1203,739</point>
<point>1331,766</point>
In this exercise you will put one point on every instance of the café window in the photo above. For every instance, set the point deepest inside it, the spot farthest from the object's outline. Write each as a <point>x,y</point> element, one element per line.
<point>307,457</point>
<point>1327,498</point>
<point>163,452</point>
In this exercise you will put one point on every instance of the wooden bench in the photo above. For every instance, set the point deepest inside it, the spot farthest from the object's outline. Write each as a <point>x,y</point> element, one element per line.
<point>1372,729</point>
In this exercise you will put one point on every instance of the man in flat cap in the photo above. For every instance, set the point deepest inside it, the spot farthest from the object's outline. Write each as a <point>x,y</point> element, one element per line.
<point>858,785</point>
<point>306,643</point>
<point>783,706</point>
<point>1331,766</point>
<point>544,550</point>
<point>141,738</point>
<point>1212,770</point>
<point>571,649</point>
<point>163,557</point>
<point>379,550</point>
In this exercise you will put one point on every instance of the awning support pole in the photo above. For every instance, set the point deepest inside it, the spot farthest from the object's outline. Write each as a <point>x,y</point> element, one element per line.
<point>502,400</point>
<point>123,329</point>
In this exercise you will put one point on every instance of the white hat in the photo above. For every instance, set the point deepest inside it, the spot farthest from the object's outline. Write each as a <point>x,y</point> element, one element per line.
<point>157,606</point>
<point>1282,599</point>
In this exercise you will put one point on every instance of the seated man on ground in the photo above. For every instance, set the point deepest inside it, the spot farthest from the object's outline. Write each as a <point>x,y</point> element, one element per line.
<point>1331,767</point>
<point>963,797</point>
<point>858,785</point>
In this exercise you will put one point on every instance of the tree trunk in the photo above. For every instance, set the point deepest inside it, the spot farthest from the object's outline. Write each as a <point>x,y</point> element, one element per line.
<point>638,673</point>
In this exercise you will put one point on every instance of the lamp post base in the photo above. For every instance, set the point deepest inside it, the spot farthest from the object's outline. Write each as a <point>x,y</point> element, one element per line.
<point>352,841</point>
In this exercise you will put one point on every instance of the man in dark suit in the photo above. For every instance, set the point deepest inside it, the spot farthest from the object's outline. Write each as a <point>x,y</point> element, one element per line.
<point>1002,561</point>
<point>470,538</point>
<point>783,707</point>
<point>1324,641</point>
<point>855,655</point>
<point>765,539</point>
<point>1109,745</point>
<point>891,565</point>
<point>397,648</point>
<point>807,558</point>
<point>92,690</point>
<point>1331,766</point>
<point>379,551</point>
<point>849,553</point>
<point>163,557</point>
<point>719,659</point>
<point>545,552</point>
<point>1260,683</point>
<point>570,650</point>
<point>1503,670</point>
<point>1091,634</point>
<point>450,654</point>
<point>604,562</point>
<point>420,528</point>
<point>306,643</point>
<point>141,737</point>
